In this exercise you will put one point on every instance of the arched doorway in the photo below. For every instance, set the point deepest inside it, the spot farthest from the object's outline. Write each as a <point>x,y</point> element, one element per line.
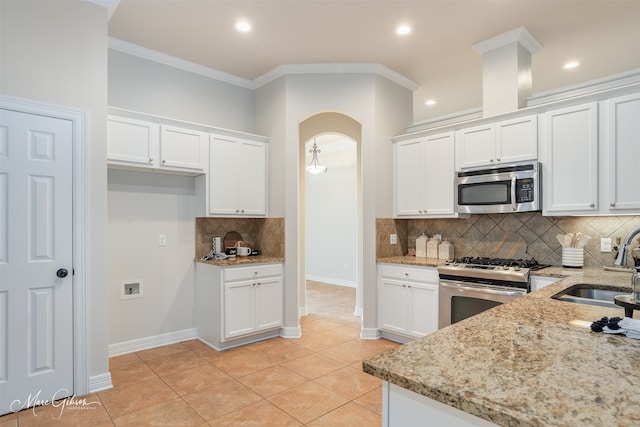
<point>340,125</point>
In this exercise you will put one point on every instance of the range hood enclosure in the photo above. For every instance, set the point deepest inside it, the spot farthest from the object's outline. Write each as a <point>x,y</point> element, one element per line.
<point>506,71</point>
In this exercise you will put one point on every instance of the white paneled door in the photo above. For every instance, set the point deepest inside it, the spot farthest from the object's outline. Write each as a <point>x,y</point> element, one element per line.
<point>36,272</point>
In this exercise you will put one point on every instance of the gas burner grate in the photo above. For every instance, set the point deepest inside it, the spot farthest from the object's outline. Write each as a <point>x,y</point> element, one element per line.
<point>522,263</point>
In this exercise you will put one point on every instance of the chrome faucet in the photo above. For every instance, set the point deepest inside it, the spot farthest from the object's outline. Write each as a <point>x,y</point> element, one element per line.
<point>621,260</point>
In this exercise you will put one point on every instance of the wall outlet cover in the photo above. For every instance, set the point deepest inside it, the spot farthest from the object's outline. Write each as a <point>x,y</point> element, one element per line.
<point>605,244</point>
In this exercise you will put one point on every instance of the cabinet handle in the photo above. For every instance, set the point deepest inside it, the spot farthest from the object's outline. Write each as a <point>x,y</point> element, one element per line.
<point>237,210</point>
<point>591,205</point>
<point>259,283</point>
<point>498,159</point>
<point>164,161</point>
<point>406,274</point>
<point>612,204</point>
<point>491,160</point>
<point>150,159</point>
<point>253,284</point>
<point>255,272</point>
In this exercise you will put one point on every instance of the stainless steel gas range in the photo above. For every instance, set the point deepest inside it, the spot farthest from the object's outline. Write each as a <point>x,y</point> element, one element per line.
<point>469,286</point>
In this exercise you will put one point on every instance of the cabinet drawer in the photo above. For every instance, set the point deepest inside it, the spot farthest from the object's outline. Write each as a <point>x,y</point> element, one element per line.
<point>416,274</point>
<point>248,273</point>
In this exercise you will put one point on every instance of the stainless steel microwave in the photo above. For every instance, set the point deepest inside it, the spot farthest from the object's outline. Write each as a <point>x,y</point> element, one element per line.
<point>500,189</point>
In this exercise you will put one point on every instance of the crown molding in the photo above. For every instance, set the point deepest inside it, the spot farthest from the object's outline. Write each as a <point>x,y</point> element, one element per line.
<point>172,61</point>
<point>335,68</point>
<point>282,70</point>
<point>519,35</point>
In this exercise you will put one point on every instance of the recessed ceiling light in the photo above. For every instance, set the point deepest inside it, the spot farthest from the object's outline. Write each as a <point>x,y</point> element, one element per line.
<point>430,102</point>
<point>403,30</point>
<point>570,65</point>
<point>243,26</point>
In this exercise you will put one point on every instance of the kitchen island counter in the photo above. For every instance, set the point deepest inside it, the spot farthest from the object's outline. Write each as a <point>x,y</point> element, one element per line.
<point>531,362</point>
<point>241,260</point>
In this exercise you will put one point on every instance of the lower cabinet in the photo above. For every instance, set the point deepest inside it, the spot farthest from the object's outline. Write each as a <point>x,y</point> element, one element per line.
<point>407,301</point>
<point>238,305</point>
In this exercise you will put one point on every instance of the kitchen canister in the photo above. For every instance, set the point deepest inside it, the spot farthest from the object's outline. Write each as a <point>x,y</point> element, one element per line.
<point>445,250</point>
<point>432,248</point>
<point>572,257</point>
<point>421,246</point>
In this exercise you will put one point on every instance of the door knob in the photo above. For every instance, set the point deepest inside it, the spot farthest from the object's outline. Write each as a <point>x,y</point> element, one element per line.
<point>62,273</point>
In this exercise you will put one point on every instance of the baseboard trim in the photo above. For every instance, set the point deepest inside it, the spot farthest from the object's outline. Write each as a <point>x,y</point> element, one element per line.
<point>370,333</point>
<point>100,382</point>
<point>151,342</point>
<point>303,310</point>
<point>291,332</point>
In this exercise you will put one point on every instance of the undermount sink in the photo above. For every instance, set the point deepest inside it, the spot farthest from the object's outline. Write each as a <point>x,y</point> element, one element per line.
<point>584,293</point>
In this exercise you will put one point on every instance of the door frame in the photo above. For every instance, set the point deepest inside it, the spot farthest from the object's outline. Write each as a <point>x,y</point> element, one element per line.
<point>79,226</point>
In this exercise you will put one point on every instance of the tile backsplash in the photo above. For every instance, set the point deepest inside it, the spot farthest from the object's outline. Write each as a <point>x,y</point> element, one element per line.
<point>266,234</point>
<point>478,234</point>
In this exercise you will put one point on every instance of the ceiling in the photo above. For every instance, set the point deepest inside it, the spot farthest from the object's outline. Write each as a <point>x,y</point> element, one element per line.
<point>602,35</point>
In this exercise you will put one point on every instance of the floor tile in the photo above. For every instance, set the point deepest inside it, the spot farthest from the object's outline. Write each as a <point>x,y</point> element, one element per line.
<point>282,350</point>
<point>121,401</point>
<point>347,353</point>
<point>348,415</point>
<point>372,400</point>
<point>320,325</point>
<point>313,366</point>
<point>221,399</point>
<point>245,363</point>
<point>165,365</point>
<point>274,380</point>
<point>131,374</point>
<point>349,382</point>
<point>262,413</point>
<point>197,346</point>
<point>175,413</point>
<point>308,401</point>
<point>315,341</point>
<point>125,359</point>
<point>195,379</point>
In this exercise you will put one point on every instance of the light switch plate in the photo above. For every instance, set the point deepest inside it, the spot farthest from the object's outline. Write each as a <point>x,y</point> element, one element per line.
<point>393,239</point>
<point>162,240</point>
<point>605,244</point>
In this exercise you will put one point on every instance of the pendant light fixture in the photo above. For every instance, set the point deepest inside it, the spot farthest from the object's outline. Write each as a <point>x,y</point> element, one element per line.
<point>314,166</point>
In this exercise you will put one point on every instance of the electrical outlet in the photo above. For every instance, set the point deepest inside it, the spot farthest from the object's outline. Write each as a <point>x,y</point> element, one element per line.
<point>393,239</point>
<point>162,240</point>
<point>605,244</point>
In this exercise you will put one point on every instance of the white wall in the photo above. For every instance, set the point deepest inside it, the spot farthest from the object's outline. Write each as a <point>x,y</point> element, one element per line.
<point>56,52</point>
<point>141,206</point>
<point>331,214</point>
<point>141,85</point>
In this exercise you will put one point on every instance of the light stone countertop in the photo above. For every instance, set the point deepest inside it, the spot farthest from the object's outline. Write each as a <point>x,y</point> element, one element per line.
<point>530,362</point>
<point>241,260</point>
<point>412,260</point>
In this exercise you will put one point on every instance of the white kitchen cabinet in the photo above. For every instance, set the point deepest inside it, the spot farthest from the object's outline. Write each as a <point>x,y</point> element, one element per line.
<point>424,174</point>
<point>622,123</point>
<point>492,144</point>
<point>145,145</point>
<point>539,282</point>
<point>408,301</point>
<point>237,305</point>
<point>237,177</point>
<point>569,157</point>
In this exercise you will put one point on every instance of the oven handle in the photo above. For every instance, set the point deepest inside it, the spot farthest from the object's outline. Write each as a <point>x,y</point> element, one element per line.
<point>513,192</point>
<point>471,288</point>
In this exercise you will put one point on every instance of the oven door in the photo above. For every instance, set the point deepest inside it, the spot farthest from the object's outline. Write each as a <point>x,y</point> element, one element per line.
<point>459,300</point>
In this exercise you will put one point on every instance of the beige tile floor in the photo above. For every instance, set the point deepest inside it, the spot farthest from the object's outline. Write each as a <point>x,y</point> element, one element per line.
<point>316,380</point>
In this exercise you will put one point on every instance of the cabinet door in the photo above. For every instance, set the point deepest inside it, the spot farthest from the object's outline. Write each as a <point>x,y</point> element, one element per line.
<point>268,293</point>
<point>624,153</point>
<point>183,149</point>
<point>409,173</point>
<point>239,309</point>
<point>477,146</point>
<point>224,169</point>
<point>423,309</point>
<point>132,142</point>
<point>393,306</point>
<point>252,179</point>
<point>569,156</point>
<point>517,140</point>
<point>439,175</point>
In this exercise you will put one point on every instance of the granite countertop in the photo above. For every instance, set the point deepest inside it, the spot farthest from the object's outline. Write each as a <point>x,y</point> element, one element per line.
<point>412,260</point>
<point>531,362</point>
<point>241,260</point>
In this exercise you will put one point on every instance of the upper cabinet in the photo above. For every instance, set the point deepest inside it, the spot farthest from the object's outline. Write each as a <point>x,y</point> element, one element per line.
<point>138,144</point>
<point>569,157</point>
<point>622,125</point>
<point>423,176</point>
<point>237,177</point>
<point>497,143</point>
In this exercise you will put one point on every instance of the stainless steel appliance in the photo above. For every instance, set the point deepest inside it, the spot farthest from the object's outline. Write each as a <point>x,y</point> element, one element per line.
<point>469,286</point>
<point>500,189</point>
